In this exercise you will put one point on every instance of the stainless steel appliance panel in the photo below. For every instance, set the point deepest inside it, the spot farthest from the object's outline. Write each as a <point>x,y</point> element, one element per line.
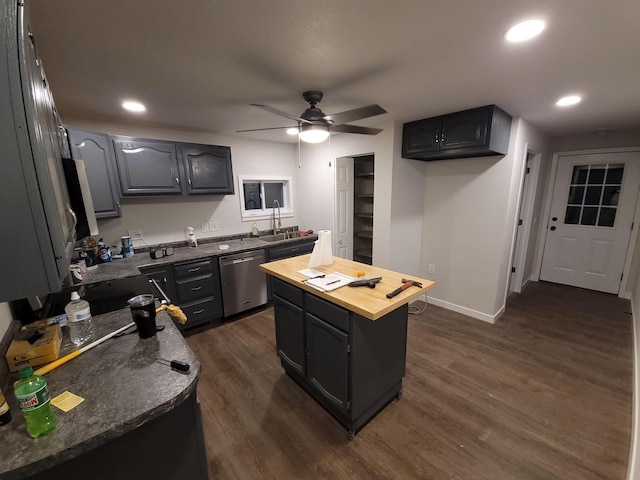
<point>244,285</point>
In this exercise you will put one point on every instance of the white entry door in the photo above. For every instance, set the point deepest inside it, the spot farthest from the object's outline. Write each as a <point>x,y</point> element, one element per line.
<point>344,208</point>
<point>589,226</point>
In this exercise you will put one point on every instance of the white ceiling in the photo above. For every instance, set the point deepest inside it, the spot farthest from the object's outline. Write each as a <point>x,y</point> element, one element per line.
<point>198,64</point>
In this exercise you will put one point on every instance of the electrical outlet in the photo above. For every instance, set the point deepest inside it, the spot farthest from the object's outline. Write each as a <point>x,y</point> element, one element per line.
<point>432,268</point>
<point>135,234</point>
<point>213,226</point>
<point>205,227</point>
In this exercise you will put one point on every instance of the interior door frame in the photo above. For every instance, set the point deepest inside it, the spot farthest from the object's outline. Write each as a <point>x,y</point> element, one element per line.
<point>544,225</point>
<point>525,206</point>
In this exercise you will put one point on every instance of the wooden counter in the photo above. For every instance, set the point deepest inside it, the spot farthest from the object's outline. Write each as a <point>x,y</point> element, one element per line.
<point>328,343</point>
<point>371,303</point>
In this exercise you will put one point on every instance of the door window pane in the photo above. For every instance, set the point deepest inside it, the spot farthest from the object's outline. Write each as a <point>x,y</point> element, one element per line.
<point>614,174</point>
<point>611,196</point>
<point>572,217</point>
<point>596,174</point>
<point>576,195</point>
<point>593,194</point>
<point>607,217</point>
<point>589,215</point>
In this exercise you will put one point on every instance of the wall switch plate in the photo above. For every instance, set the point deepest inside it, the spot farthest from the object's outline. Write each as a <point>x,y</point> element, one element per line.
<point>205,227</point>
<point>432,268</point>
<point>135,234</point>
<point>213,226</point>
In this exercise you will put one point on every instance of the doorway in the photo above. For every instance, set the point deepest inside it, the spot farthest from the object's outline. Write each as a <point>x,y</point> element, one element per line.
<point>590,219</point>
<point>354,207</point>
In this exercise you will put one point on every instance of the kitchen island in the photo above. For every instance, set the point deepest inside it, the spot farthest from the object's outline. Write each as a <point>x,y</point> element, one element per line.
<point>139,418</point>
<point>345,347</point>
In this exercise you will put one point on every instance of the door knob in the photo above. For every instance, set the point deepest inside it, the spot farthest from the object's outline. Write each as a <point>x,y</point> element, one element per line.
<point>552,228</point>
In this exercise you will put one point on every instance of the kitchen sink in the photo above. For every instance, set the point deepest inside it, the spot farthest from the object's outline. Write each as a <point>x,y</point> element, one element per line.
<point>274,238</point>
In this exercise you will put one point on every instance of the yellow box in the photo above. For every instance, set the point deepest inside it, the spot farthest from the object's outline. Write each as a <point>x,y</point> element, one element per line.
<point>35,346</point>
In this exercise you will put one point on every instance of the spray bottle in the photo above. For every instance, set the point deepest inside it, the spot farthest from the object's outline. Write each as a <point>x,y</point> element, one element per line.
<point>191,238</point>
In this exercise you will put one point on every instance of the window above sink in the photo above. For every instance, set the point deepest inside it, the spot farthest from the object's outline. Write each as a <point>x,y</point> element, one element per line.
<point>259,193</point>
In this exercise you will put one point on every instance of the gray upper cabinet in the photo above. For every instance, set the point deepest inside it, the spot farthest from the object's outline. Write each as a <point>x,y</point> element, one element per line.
<point>97,152</point>
<point>147,167</point>
<point>38,223</point>
<point>471,133</point>
<point>159,167</point>
<point>207,168</point>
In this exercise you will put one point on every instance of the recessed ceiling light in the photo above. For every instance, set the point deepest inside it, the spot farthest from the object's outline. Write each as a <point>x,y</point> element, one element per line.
<point>568,100</point>
<point>133,106</point>
<point>524,31</point>
<point>292,131</point>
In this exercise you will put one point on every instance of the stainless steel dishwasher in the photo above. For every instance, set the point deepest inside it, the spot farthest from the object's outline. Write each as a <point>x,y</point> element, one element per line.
<point>244,285</point>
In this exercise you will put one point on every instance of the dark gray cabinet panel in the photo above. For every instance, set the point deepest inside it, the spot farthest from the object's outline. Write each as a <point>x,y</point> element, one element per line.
<point>293,249</point>
<point>147,167</point>
<point>97,152</point>
<point>289,333</point>
<point>164,278</point>
<point>198,291</point>
<point>328,361</point>
<point>207,168</point>
<point>351,365</point>
<point>471,133</point>
<point>35,201</point>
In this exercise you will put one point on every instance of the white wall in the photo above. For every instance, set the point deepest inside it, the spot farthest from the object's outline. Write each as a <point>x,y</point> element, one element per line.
<point>634,461</point>
<point>625,138</point>
<point>316,182</point>
<point>470,209</point>
<point>163,219</point>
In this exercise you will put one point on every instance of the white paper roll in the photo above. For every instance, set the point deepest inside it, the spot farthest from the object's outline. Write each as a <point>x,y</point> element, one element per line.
<point>322,251</point>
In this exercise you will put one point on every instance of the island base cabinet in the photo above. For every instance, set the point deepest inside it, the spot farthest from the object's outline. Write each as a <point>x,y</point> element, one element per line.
<point>350,365</point>
<point>170,447</point>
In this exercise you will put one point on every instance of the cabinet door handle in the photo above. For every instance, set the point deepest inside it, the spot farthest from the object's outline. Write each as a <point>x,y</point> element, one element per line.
<point>190,185</point>
<point>437,138</point>
<point>195,289</point>
<point>118,206</point>
<point>177,181</point>
<point>198,312</point>
<point>191,270</point>
<point>443,138</point>
<point>73,216</point>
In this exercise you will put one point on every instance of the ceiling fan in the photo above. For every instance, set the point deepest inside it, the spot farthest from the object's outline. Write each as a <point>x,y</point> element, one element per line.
<point>313,126</point>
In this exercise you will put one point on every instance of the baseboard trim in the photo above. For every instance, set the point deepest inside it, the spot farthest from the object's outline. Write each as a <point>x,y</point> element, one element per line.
<point>466,311</point>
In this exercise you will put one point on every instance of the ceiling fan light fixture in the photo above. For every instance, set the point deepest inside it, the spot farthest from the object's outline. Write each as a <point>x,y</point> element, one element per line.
<point>293,131</point>
<point>314,133</point>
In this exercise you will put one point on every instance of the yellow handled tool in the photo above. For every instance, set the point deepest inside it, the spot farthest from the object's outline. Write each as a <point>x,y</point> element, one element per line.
<point>55,364</point>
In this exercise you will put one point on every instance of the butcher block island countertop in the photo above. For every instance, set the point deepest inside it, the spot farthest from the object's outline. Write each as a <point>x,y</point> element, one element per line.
<point>371,303</point>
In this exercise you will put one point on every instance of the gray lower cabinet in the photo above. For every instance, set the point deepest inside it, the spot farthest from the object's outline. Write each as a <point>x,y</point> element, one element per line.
<point>97,152</point>
<point>147,167</point>
<point>198,291</point>
<point>194,286</point>
<point>278,252</point>
<point>351,365</point>
<point>207,168</point>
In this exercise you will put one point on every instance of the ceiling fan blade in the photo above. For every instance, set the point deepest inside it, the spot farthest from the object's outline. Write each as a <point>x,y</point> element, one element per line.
<point>260,129</point>
<point>355,129</point>
<point>280,112</point>
<point>355,114</point>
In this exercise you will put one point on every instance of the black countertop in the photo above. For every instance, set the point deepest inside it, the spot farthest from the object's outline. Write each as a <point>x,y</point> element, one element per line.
<point>123,384</point>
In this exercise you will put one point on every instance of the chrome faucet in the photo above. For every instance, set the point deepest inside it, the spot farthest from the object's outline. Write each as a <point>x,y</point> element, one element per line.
<point>277,228</point>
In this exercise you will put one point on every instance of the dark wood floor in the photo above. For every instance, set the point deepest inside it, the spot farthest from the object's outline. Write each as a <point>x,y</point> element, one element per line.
<point>545,393</point>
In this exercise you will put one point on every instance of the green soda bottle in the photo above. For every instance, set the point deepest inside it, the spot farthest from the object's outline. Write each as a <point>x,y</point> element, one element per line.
<point>35,403</point>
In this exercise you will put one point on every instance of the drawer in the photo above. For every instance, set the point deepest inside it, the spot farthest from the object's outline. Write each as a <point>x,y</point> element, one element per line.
<point>328,312</point>
<point>286,251</point>
<point>287,291</point>
<point>193,269</point>
<point>204,311</point>
<point>198,288</point>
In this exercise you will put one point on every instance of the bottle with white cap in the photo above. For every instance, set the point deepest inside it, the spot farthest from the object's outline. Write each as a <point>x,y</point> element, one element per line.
<point>79,318</point>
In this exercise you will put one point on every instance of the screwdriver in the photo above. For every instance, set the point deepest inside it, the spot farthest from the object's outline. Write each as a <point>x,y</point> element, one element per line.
<point>175,364</point>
